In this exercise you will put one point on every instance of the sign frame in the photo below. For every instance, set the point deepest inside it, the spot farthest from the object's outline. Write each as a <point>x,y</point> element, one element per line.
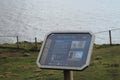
<point>66,67</point>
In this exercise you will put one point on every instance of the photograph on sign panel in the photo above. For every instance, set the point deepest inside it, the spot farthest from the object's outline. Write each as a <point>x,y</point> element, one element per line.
<point>78,44</point>
<point>75,55</point>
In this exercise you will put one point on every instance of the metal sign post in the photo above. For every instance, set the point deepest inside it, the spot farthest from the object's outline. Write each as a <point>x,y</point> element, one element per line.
<point>68,75</point>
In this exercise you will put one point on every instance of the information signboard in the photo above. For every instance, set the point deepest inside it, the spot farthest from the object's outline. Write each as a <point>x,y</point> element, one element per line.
<point>66,50</point>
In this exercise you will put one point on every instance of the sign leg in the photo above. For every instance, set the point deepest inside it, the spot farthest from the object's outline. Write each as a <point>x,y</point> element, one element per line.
<point>68,75</point>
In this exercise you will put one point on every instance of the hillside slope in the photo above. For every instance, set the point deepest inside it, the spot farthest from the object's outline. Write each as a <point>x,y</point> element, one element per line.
<point>14,65</point>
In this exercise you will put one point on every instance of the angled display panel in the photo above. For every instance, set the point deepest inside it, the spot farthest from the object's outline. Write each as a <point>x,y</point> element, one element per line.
<point>66,50</point>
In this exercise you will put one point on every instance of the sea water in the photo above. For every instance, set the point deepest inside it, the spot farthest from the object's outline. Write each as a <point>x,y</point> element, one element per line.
<point>28,19</point>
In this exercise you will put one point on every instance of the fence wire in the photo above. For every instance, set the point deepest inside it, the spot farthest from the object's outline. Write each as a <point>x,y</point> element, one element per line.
<point>103,37</point>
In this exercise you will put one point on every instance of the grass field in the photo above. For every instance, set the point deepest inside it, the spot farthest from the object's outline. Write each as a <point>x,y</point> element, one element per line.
<point>15,65</point>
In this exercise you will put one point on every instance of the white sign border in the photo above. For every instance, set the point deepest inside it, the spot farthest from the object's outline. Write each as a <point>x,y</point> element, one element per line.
<point>62,67</point>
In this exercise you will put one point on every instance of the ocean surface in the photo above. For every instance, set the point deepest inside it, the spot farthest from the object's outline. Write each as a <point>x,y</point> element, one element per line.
<point>28,19</point>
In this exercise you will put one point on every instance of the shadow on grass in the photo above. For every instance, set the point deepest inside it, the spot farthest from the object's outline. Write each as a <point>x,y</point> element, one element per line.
<point>105,46</point>
<point>12,48</point>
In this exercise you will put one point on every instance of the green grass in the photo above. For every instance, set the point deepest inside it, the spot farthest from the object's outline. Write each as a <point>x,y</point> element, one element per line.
<point>14,65</point>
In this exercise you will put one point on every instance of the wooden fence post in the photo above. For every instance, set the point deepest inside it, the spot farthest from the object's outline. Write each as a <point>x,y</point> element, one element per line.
<point>36,43</point>
<point>110,37</point>
<point>17,41</point>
